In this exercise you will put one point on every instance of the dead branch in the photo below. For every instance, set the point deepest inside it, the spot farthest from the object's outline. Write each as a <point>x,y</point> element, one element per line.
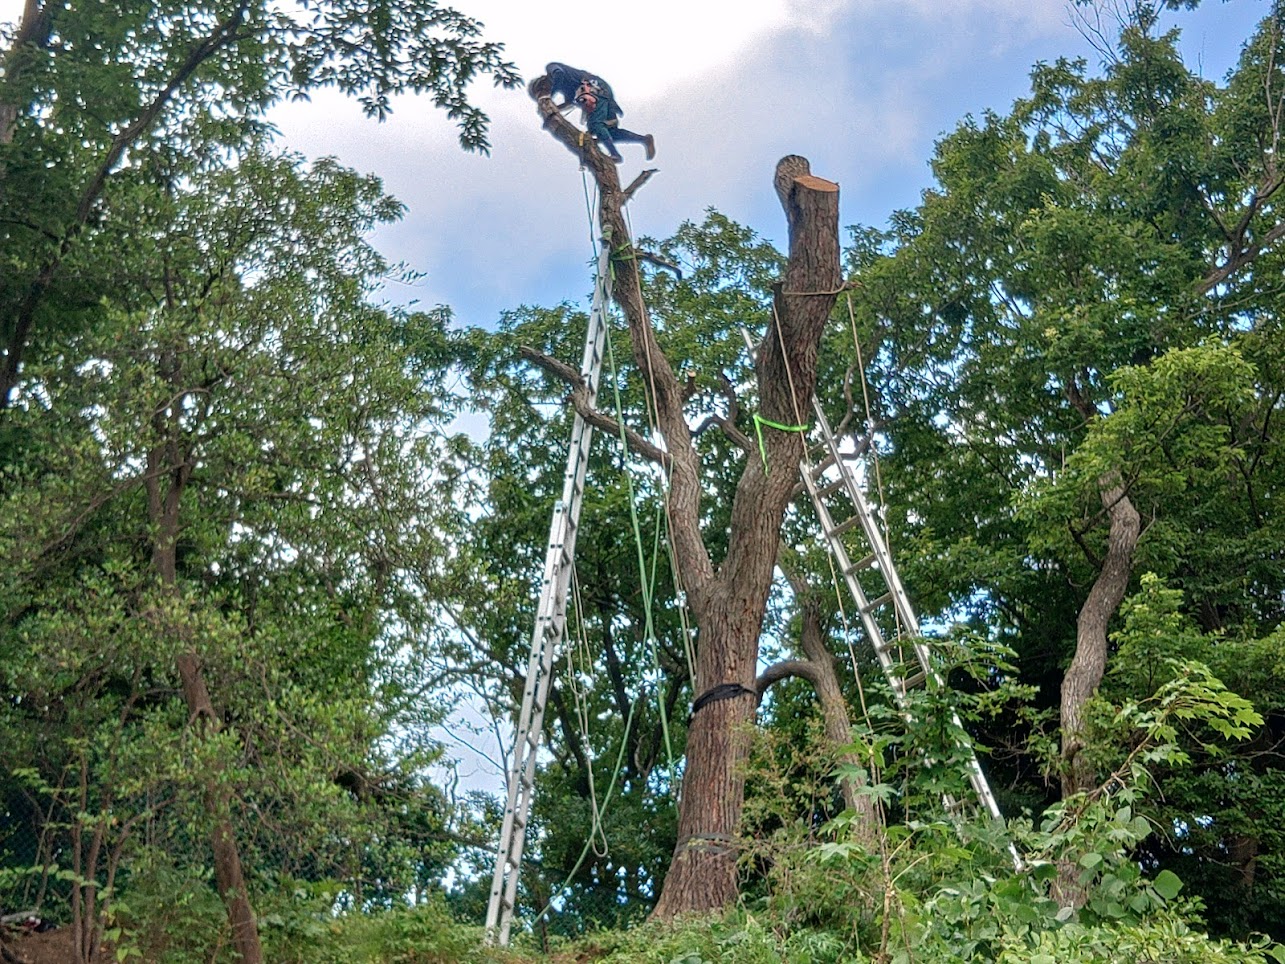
<point>635,184</point>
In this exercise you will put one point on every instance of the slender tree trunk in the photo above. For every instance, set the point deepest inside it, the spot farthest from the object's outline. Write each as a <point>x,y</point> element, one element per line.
<point>167,464</point>
<point>1089,663</point>
<point>1243,851</point>
<point>820,670</point>
<point>32,34</point>
<point>834,710</point>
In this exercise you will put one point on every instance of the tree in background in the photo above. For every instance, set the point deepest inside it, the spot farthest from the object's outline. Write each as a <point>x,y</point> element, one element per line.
<point>145,265</point>
<point>1076,353</point>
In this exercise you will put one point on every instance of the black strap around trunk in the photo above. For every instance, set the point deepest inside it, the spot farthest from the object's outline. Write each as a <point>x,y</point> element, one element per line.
<point>723,691</point>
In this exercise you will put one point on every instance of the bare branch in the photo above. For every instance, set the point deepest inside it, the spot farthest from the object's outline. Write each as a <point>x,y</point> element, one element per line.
<point>635,184</point>
<point>580,402</point>
<point>786,669</point>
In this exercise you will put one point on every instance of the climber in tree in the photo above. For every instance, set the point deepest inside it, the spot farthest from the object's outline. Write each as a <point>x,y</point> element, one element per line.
<point>566,80</point>
<point>602,112</point>
<point>602,119</point>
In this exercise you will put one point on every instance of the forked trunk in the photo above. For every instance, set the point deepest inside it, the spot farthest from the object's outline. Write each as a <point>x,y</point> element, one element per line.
<point>727,601</point>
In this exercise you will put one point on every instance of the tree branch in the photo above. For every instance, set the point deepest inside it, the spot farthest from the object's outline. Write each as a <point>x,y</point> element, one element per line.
<point>224,33</point>
<point>579,399</point>
<point>786,669</point>
<point>658,375</point>
<point>635,184</point>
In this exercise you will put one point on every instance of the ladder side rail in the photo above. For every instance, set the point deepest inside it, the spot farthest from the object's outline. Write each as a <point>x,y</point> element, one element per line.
<point>900,599</point>
<point>527,744</point>
<point>549,627</point>
<point>506,858</point>
<point>874,535</point>
<point>883,651</point>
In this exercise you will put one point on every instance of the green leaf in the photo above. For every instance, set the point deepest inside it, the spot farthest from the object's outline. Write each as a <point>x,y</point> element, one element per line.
<point>1090,860</point>
<point>1167,884</point>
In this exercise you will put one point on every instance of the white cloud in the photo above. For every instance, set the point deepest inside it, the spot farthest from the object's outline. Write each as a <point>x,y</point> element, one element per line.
<point>641,48</point>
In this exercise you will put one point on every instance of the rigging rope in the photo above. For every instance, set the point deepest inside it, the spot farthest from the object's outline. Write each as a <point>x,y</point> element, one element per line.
<point>653,418</point>
<point>647,583</point>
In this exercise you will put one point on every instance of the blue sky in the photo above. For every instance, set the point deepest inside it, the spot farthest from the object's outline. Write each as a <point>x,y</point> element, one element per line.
<point>861,87</point>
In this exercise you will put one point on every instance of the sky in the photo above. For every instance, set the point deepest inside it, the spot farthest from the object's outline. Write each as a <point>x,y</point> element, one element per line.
<point>863,88</point>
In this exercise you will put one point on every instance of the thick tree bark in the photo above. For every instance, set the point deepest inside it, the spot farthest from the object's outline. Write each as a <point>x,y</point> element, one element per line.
<point>168,471</point>
<point>727,602</point>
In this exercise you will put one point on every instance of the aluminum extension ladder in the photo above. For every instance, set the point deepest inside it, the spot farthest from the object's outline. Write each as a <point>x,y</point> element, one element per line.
<point>550,625</point>
<point>882,588</point>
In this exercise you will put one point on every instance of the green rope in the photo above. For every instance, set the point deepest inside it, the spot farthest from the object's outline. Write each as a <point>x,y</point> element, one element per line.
<point>597,819</point>
<point>760,421</point>
<point>649,628</point>
<point>647,586</point>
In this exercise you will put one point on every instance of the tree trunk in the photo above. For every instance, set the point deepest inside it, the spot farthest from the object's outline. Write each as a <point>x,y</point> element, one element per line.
<point>834,710</point>
<point>1090,660</point>
<point>728,603</point>
<point>820,670</point>
<point>1089,663</point>
<point>702,873</point>
<point>32,34</point>
<point>166,463</point>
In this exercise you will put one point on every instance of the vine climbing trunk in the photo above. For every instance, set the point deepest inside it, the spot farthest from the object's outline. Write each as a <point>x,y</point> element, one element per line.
<point>727,598</point>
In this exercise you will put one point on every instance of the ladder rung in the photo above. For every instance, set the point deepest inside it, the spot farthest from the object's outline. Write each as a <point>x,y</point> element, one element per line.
<point>843,527</point>
<point>863,563</point>
<point>830,487</point>
<point>910,682</point>
<point>872,606</point>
